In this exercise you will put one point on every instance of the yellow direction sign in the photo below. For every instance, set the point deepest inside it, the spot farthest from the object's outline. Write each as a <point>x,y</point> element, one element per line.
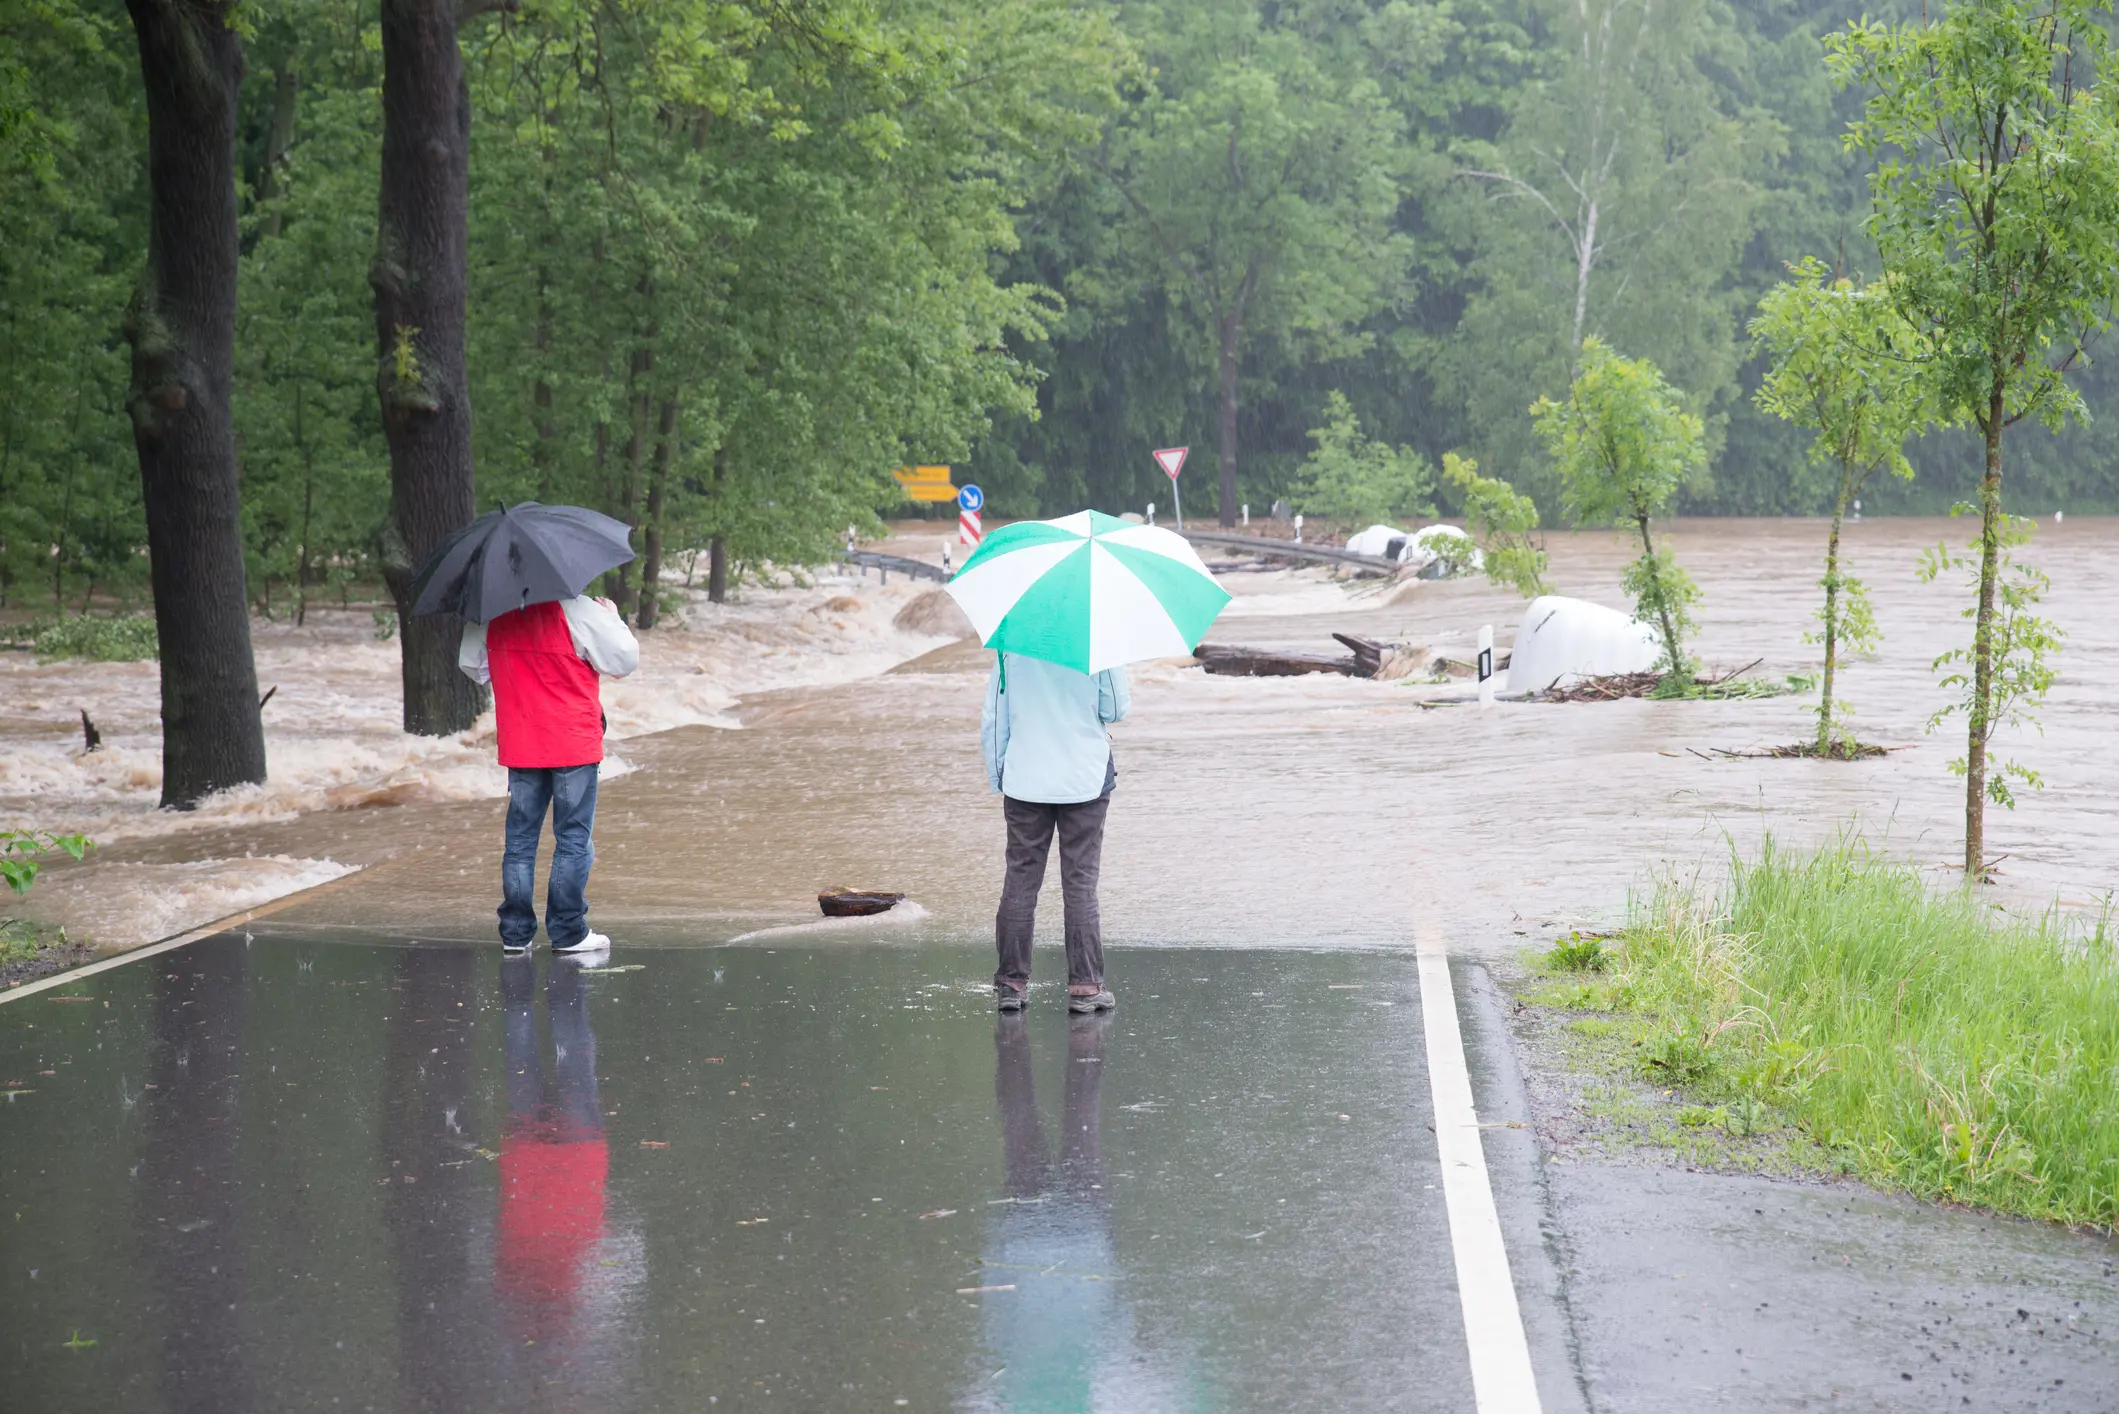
<point>925,483</point>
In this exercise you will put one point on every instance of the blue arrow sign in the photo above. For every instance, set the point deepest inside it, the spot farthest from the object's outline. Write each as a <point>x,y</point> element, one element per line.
<point>970,498</point>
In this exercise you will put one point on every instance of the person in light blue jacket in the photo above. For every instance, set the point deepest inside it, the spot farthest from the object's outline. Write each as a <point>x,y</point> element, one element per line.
<point>1048,753</point>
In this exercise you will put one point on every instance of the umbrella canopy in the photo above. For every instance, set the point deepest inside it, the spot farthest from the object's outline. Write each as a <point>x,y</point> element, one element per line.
<point>1087,591</point>
<point>518,555</point>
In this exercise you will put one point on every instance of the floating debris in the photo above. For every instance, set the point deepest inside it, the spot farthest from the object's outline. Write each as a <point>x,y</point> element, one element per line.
<point>841,902</point>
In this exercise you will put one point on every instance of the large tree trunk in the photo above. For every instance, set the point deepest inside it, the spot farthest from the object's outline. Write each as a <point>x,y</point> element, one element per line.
<point>657,495</point>
<point>418,274</point>
<point>182,328</point>
<point>1981,724</point>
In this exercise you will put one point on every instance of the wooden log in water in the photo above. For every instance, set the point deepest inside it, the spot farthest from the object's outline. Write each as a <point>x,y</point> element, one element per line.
<point>1231,660</point>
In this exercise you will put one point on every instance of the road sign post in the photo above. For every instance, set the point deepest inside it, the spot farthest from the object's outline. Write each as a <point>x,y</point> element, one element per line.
<point>969,502</point>
<point>1172,461</point>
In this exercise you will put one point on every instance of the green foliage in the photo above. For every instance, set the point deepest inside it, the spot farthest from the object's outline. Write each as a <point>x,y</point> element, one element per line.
<point>22,853</point>
<point>1356,481</point>
<point>2019,645</point>
<point>1579,953</point>
<point>96,638</point>
<point>1504,522</point>
<point>1617,205</point>
<point>1993,204</point>
<point>1253,181</point>
<point>1623,445</point>
<point>1931,1045</point>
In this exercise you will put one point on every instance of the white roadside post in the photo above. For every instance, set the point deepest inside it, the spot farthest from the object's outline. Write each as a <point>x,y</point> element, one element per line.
<point>1486,665</point>
<point>1151,513</point>
<point>1247,513</point>
<point>1298,530</point>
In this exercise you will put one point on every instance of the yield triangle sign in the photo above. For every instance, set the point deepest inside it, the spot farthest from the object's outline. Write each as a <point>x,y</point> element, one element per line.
<point>1171,460</point>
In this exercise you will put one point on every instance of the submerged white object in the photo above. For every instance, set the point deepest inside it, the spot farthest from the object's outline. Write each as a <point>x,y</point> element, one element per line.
<point>1418,548</point>
<point>1564,640</point>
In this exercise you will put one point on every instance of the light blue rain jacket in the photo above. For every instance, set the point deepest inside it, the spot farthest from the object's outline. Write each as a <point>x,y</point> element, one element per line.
<point>1043,729</point>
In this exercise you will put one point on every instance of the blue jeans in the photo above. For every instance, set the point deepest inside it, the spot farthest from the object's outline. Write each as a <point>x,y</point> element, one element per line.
<point>570,793</point>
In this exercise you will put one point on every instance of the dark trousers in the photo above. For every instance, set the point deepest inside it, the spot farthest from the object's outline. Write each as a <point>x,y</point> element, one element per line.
<point>569,792</point>
<point>1081,845</point>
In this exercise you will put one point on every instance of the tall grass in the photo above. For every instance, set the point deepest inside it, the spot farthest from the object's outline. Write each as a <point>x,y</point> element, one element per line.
<point>1937,1046</point>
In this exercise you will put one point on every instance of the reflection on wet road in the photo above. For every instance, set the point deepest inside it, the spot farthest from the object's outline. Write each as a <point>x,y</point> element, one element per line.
<point>282,1174</point>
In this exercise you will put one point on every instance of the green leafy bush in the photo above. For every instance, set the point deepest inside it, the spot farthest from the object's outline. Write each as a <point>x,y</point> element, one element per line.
<point>1504,521</point>
<point>22,853</point>
<point>97,639</point>
<point>1358,482</point>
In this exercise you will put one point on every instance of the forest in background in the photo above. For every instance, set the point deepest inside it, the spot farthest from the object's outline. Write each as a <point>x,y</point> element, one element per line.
<point>731,264</point>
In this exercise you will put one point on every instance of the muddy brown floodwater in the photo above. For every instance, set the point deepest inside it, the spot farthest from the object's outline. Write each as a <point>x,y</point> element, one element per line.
<point>1309,812</point>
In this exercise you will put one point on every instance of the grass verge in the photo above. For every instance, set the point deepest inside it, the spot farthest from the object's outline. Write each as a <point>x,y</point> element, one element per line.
<point>1917,1039</point>
<point>32,950</point>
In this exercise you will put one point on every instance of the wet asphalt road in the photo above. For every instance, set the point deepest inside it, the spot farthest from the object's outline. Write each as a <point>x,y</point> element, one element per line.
<point>288,1174</point>
<point>296,1173</point>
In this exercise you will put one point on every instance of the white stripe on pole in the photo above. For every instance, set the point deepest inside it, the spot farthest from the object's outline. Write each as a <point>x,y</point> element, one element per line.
<point>987,591</point>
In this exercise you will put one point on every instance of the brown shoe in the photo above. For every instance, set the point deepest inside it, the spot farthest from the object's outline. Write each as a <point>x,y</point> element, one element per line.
<point>1102,1000</point>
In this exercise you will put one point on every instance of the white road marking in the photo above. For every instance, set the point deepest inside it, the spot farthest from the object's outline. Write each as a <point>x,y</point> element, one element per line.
<point>170,944</point>
<point>1502,1380</point>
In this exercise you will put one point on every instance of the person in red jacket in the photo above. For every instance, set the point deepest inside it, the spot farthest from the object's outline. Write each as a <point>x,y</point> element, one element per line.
<point>543,661</point>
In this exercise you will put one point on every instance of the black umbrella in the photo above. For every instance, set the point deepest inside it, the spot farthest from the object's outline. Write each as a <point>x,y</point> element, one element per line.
<point>517,555</point>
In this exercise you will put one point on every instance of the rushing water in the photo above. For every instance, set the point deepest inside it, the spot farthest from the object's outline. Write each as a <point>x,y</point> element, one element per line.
<point>1312,811</point>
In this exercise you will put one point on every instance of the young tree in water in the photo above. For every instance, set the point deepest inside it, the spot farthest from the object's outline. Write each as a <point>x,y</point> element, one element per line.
<point>181,324</point>
<point>1993,208</point>
<point>419,275</point>
<point>1622,445</point>
<point>1847,366</point>
<point>1504,521</point>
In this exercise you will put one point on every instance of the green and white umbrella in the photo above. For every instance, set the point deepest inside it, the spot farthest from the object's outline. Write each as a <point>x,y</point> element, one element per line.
<point>1087,591</point>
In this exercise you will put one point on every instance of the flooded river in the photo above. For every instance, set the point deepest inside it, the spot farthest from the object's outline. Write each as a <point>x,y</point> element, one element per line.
<point>1269,812</point>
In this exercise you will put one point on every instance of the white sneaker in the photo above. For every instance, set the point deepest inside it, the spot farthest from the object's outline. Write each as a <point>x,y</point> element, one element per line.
<point>592,942</point>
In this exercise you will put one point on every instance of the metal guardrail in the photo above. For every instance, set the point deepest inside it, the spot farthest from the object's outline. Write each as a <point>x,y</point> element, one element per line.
<point>1292,550</point>
<point>918,569</point>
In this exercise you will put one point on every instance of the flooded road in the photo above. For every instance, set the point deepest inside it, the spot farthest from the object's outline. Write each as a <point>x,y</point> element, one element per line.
<point>1297,812</point>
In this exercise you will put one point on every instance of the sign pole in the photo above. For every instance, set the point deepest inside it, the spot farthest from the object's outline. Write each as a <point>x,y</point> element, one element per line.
<point>1172,461</point>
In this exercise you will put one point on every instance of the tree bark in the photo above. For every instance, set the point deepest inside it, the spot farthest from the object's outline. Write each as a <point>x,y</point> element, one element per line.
<point>279,141</point>
<point>1980,725</point>
<point>717,547</point>
<point>419,276</point>
<point>1824,705</point>
<point>1230,330</point>
<point>1671,647</point>
<point>181,324</point>
<point>657,495</point>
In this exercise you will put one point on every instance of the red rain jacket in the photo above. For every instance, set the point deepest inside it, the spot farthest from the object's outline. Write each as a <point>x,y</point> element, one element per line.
<point>548,708</point>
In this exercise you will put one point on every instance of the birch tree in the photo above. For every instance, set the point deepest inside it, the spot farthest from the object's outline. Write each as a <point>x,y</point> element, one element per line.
<point>1616,204</point>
